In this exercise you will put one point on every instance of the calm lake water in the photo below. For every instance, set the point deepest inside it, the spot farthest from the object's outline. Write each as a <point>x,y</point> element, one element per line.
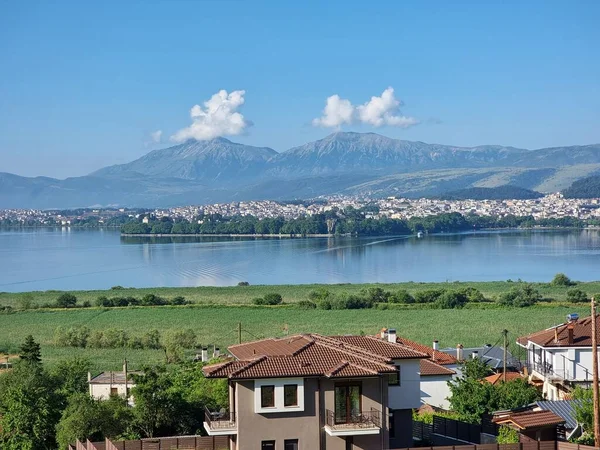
<point>41,259</point>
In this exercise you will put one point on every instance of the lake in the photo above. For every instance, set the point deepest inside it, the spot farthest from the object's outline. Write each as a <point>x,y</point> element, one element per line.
<point>74,259</point>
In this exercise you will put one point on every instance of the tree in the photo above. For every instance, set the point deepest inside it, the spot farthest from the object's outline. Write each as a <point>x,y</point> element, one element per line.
<point>29,408</point>
<point>402,296</point>
<point>577,296</point>
<point>71,375</point>
<point>584,408</point>
<point>523,296</point>
<point>452,299</point>
<point>475,368</point>
<point>30,351</point>
<point>66,300</point>
<point>560,279</point>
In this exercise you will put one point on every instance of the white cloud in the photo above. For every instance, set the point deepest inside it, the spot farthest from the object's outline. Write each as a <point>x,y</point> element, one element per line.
<point>337,112</point>
<point>155,136</point>
<point>219,117</point>
<point>379,111</point>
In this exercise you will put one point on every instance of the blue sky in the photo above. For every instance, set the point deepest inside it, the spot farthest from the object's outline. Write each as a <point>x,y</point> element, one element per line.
<point>84,84</point>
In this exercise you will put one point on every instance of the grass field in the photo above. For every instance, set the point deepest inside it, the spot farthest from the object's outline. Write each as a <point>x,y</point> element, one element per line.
<point>290,293</point>
<point>217,324</point>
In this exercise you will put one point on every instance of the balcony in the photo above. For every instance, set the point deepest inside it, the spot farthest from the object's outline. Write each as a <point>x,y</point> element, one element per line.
<point>364,422</point>
<point>221,423</point>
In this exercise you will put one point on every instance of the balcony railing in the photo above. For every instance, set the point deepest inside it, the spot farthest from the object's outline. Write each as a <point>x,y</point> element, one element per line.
<point>359,420</point>
<point>219,422</point>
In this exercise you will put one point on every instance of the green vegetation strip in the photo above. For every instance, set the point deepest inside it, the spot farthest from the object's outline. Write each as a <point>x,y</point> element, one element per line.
<point>217,325</point>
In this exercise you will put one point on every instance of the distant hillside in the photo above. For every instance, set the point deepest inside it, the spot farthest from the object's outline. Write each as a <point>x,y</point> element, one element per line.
<point>506,192</point>
<point>219,170</point>
<point>586,188</point>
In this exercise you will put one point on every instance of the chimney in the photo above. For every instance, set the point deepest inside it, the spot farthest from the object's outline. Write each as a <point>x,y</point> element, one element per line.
<point>436,346</point>
<point>204,354</point>
<point>391,335</point>
<point>459,352</point>
<point>216,352</point>
<point>475,354</point>
<point>383,334</point>
<point>89,376</point>
<point>570,330</point>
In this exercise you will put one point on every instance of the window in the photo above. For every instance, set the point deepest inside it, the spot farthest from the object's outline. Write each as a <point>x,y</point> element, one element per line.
<point>114,391</point>
<point>290,395</point>
<point>394,378</point>
<point>290,444</point>
<point>347,403</point>
<point>267,445</point>
<point>267,397</point>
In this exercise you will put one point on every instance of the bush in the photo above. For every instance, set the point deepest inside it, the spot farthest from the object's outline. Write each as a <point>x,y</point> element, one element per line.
<point>560,279</point>
<point>577,296</point>
<point>507,435</point>
<point>66,300</point>
<point>306,304</point>
<point>268,299</point>
<point>86,304</point>
<point>183,338</point>
<point>402,296</point>
<point>520,297</point>
<point>324,304</point>
<point>319,295</point>
<point>350,301</point>
<point>451,299</point>
<point>152,300</point>
<point>428,296</point>
<point>179,300</point>
<point>473,295</point>
<point>376,295</point>
<point>103,301</point>
<point>243,283</point>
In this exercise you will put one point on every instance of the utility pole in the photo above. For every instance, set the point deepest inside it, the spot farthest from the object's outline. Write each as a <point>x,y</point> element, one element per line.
<point>595,375</point>
<point>505,334</point>
<point>239,332</point>
<point>125,373</point>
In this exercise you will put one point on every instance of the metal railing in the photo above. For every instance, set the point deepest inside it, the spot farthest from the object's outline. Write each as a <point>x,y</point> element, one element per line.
<point>219,419</point>
<point>361,419</point>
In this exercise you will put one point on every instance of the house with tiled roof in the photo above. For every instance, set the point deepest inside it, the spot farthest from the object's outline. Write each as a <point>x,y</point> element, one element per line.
<point>435,372</point>
<point>318,392</point>
<point>560,357</point>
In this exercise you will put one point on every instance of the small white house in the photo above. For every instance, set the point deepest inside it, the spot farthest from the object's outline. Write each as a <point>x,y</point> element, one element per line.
<point>105,384</point>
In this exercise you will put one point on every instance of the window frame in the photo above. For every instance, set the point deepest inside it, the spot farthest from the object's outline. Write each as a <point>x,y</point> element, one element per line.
<point>269,442</point>
<point>262,397</point>
<point>398,381</point>
<point>279,399</point>
<point>295,404</point>
<point>292,442</point>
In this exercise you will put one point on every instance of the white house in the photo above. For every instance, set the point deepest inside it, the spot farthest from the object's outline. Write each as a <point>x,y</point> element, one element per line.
<point>560,358</point>
<point>105,384</point>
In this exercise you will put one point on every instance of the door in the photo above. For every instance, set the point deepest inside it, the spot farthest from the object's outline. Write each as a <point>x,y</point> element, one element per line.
<point>347,403</point>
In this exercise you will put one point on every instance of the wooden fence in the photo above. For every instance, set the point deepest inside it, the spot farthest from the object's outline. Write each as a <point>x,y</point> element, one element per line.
<point>165,443</point>
<point>537,445</point>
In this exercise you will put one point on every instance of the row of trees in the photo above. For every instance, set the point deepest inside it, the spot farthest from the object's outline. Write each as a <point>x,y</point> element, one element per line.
<point>349,221</point>
<point>45,409</point>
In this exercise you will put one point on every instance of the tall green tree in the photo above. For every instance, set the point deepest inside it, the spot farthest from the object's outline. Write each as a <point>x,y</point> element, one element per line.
<point>30,351</point>
<point>29,408</point>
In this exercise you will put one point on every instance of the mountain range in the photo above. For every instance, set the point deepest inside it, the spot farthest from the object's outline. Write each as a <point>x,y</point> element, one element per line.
<point>342,163</point>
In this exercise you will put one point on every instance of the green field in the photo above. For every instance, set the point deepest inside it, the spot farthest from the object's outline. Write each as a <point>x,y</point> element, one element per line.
<point>217,325</point>
<point>291,293</point>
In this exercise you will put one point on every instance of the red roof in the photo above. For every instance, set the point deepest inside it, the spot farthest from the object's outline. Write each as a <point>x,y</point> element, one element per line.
<point>312,355</point>
<point>437,356</point>
<point>429,368</point>
<point>497,377</point>
<point>558,336</point>
<point>530,419</point>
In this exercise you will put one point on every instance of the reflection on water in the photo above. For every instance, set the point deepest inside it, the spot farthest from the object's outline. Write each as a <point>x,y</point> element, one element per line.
<point>86,259</point>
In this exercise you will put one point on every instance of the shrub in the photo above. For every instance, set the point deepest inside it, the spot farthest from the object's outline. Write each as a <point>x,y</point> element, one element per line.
<point>183,338</point>
<point>86,304</point>
<point>319,295</point>
<point>376,295</point>
<point>151,339</point>
<point>473,295</point>
<point>259,301</point>
<point>507,435</point>
<point>324,304</point>
<point>116,288</point>
<point>25,301</point>
<point>577,296</point>
<point>402,296</point>
<point>306,304</point>
<point>428,296</point>
<point>451,299</point>
<point>66,300</point>
<point>179,300</point>
<point>268,299</point>
<point>560,279</point>
<point>520,297</point>
<point>103,301</point>
<point>243,283</point>
<point>152,300</point>
<point>350,301</point>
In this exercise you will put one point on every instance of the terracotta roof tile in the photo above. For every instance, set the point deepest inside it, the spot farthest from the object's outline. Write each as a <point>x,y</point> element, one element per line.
<point>438,356</point>
<point>582,334</point>
<point>429,368</point>
<point>310,355</point>
<point>379,346</point>
<point>497,377</point>
<point>531,419</point>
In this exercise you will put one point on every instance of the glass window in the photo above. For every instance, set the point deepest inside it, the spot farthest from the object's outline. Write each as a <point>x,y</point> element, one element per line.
<point>347,403</point>
<point>267,445</point>
<point>394,378</point>
<point>290,395</point>
<point>290,444</point>
<point>267,397</point>
<point>114,391</point>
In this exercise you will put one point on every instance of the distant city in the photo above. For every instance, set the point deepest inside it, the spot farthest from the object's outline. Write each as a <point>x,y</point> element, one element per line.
<point>549,206</point>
